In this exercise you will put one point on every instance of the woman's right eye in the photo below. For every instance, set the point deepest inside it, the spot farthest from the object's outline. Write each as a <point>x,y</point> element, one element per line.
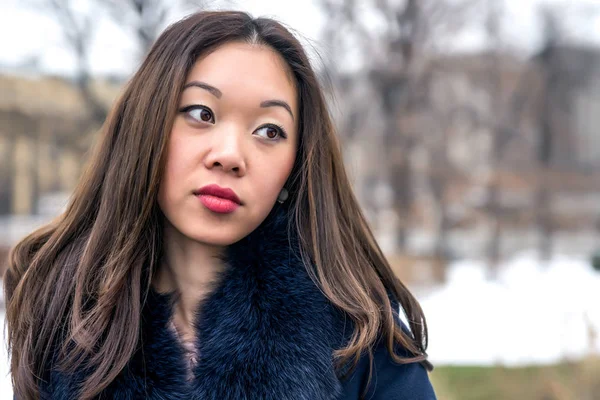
<point>199,113</point>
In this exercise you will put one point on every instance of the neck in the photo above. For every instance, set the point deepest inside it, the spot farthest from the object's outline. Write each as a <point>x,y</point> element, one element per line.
<point>190,269</point>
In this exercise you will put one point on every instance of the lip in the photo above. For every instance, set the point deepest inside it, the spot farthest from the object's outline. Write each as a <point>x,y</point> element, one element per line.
<point>217,199</point>
<point>218,191</point>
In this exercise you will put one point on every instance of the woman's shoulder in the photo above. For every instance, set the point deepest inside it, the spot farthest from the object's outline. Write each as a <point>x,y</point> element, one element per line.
<point>389,379</point>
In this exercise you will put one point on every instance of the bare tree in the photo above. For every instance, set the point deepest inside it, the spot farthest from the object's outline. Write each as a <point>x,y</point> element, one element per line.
<point>146,18</point>
<point>500,119</point>
<point>552,32</point>
<point>78,30</point>
<point>398,53</point>
<point>497,131</point>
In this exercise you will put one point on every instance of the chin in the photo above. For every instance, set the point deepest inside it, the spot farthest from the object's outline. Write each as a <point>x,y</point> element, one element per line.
<point>215,240</point>
<point>216,237</point>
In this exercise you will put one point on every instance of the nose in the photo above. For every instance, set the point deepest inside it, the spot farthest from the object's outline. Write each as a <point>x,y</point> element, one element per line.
<point>226,152</point>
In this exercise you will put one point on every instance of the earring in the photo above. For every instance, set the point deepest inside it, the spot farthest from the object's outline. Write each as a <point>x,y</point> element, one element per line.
<point>283,195</point>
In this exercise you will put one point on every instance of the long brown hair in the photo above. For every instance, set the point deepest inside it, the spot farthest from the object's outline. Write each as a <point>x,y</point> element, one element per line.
<point>79,283</point>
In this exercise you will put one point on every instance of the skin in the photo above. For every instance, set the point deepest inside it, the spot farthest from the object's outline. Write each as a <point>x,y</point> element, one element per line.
<point>227,145</point>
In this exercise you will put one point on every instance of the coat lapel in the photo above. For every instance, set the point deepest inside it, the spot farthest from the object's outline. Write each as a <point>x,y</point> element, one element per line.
<point>265,332</point>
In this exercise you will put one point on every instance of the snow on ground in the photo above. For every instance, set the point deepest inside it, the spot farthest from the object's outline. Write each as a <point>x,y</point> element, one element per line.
<point>531,314</point>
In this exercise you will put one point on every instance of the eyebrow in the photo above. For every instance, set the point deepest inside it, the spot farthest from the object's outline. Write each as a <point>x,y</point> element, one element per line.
<point>218,94</point>
<point>278,103</point>
<point>213,90</point>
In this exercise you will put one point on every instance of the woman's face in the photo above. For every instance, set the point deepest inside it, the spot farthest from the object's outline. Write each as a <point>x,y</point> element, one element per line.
<point>236,128</point>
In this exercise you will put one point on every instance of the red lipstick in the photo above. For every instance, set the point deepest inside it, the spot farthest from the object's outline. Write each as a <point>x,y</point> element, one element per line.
<point>218,199</point>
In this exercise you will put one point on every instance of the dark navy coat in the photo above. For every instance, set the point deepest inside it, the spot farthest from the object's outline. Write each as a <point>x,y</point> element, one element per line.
<point>266,332</point>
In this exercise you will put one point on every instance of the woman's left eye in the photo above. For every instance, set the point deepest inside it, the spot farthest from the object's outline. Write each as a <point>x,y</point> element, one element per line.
<point>272,132</point>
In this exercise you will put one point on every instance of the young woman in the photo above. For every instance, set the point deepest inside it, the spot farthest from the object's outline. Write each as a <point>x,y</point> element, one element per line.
<point>213,248</point>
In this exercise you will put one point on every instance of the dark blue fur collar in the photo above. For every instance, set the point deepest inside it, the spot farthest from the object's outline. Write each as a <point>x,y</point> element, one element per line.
<point>265,332</point>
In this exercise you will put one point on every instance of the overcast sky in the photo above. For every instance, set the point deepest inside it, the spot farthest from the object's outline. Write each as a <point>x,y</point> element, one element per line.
<point>27,33</point>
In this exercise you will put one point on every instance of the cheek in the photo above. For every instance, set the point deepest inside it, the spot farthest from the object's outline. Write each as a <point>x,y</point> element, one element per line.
<point>173,173</point>
<point>274,174</point>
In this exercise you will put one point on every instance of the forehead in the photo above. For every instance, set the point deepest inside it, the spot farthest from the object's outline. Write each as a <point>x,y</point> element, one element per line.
<point>237,66</point>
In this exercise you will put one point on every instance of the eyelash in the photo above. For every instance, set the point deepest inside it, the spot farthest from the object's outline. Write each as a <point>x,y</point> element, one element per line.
<point>279,128</point>
<point>189,108</point>
<point>282,133</point>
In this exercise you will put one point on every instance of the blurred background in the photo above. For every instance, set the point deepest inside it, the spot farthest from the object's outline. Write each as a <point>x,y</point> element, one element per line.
<point>469,128</point>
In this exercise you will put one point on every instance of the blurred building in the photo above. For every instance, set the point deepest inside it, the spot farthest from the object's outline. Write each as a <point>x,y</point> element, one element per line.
<point>45,132</point>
